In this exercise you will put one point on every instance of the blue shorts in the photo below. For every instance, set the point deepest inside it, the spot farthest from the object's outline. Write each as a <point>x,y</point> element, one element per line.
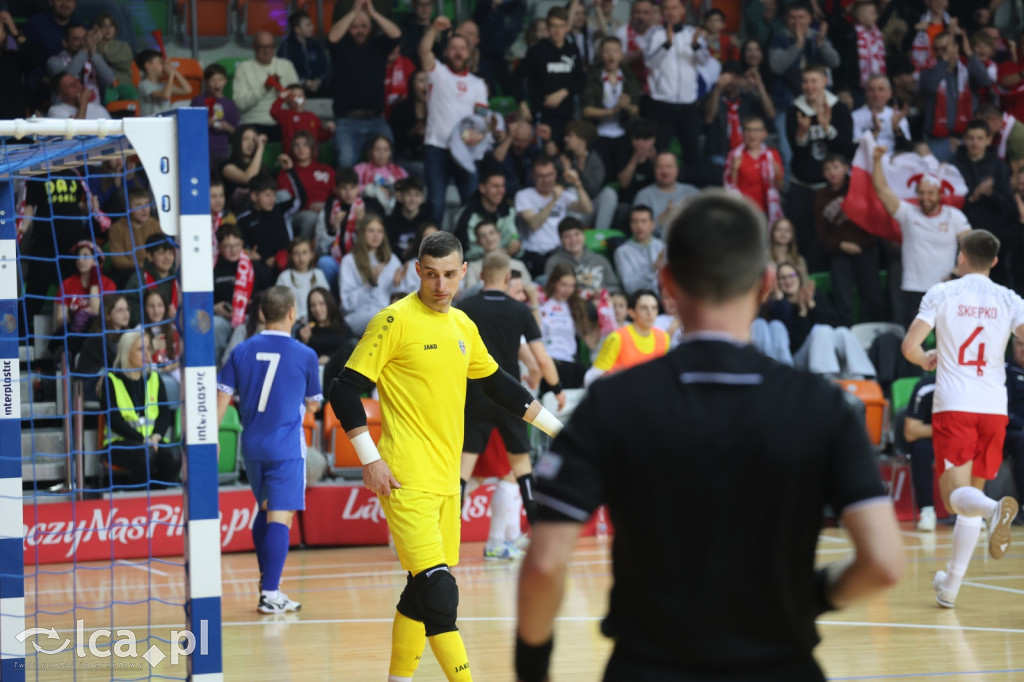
<point>280,483</point>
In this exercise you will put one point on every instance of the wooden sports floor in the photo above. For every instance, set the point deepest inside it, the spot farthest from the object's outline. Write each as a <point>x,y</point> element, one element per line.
<point>348,596</point>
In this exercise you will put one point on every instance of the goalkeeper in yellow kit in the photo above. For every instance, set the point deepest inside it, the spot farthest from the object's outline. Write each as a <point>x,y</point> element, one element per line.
<point>420,351</point>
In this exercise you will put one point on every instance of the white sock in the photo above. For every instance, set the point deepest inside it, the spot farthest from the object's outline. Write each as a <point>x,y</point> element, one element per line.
<point>965,539</point>
<point>969,501</point>
<point>514,524</point>
<point>396,678</point>
<point>501,501</point>
<point>271,594</point>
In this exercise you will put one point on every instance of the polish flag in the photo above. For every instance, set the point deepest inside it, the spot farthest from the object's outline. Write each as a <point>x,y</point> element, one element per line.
<point>903,172</point>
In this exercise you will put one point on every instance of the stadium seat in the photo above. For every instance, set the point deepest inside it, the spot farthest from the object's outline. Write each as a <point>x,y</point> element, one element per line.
<point>503,105</point>
<point>192,70</point>
<point>262,15</point>
<point>123,108</point>
<point>902,389</point>
<point>229,64</point>
<point>337,443</point>
<point>229,437</point>
<point>312,7</point>
<point>867,332</point>
<point>214,21</point>
<point>876,407</point>
<point>598,240</point>
<point>311,429</point>
<point>822,282</point>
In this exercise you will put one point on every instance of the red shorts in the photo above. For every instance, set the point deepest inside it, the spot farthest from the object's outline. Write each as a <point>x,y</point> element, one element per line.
<point>493,461</point>
<point>961,437</point>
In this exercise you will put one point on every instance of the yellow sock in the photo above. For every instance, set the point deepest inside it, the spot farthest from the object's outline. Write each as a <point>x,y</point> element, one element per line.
<point>450,653</point>
<point>408,639</point>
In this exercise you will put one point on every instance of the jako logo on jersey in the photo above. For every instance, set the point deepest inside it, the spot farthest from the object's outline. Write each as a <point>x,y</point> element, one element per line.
<point>462,346</point>
<point>430,346</point>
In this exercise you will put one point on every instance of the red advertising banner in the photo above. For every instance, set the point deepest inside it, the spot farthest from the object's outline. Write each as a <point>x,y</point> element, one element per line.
<point>136,527</point>
<point>131,527</point>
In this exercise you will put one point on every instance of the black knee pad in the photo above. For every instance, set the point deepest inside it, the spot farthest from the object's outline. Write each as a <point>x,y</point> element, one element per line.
<point>437,597</point>
<point>407,605</point>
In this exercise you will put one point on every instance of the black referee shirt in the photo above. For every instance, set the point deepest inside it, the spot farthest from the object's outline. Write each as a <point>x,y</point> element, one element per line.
<point>716,463</point>
<point>502,321</point>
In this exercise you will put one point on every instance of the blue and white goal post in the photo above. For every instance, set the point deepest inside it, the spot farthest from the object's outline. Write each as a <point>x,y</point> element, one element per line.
<point>173,150</point>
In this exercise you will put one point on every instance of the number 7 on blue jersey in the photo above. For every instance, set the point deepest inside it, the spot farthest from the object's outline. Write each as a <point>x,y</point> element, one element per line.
<point>268,381</point>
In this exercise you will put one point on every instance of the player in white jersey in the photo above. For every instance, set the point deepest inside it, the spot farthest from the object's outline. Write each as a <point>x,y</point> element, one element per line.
<point>973,318</point>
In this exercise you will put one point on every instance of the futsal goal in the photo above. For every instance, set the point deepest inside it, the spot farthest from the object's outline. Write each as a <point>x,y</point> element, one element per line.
<point>92,583</point>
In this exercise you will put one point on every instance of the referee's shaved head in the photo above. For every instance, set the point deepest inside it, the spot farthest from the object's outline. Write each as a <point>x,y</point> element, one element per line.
<point>717,247</point>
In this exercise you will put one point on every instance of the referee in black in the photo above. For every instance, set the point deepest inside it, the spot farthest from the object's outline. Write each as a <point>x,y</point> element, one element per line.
<point>503,323</point>
<point>715,463</point>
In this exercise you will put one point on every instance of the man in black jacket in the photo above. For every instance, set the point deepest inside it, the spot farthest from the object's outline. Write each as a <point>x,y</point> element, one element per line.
<point>817,124</point>
<point>989,203</point>
<point>553,75</point>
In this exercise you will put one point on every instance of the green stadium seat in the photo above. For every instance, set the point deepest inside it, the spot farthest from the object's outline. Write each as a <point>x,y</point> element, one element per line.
<point>270,154</point>
<point>597,240</point>
<point>901,392</point>
<point>822,282</point>
<point>503,105</point>
<point>229,64</point>
<point>230,439</point>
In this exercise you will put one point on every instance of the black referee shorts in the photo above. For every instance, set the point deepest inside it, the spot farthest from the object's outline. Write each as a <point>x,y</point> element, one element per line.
<point>626,668</point>
<point>485,416</point>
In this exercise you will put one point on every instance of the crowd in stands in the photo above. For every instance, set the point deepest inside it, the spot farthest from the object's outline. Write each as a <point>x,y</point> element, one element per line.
<point>613,125</point>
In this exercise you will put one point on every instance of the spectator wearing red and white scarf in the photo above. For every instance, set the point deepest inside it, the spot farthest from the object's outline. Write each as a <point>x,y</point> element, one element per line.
<point>82,61</point>
<point>947,88</point>
<point>234,280</point>
<point>934,21</point>
<point>755,170</point>
<point>397,75</point>
<point>633,37</point>
<point>737,95</point>
<point>870,46</point>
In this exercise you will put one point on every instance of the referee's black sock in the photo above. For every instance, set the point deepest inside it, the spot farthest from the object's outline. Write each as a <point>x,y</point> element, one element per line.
<point>526,490</point>
<point>462,493</point>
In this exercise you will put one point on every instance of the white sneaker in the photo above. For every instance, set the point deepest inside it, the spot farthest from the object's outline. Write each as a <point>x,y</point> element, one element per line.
<point>279,604</point>
<point>926,519</point>
<point>505,552</point>
<point>999,527</point>
<point>943,597</point>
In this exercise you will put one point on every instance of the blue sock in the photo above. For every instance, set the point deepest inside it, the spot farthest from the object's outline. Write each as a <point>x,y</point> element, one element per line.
<point>275,551</point>
<point>259,534</point>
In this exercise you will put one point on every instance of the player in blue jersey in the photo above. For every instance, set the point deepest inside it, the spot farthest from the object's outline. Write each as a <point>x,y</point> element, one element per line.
<point>277,379</point>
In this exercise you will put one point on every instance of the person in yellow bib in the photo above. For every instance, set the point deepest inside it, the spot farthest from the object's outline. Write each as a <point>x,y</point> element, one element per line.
<point>420,351</point>
<point>138,417</point>
<point>633,344</point>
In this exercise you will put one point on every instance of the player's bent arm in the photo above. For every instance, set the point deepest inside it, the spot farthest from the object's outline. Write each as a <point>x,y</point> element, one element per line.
<point>879,559</point>
<point>912,347</point>
<point>345,401</point>
<point>547,366</point>
<point>541,588</point>
<point>592,375</point>
<point>915,430</point>
<point>502,388</point>
<point>223,400</point>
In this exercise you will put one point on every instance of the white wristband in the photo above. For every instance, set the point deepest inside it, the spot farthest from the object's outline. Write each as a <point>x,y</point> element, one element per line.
<point>547,422</point>
<point>366,449</point>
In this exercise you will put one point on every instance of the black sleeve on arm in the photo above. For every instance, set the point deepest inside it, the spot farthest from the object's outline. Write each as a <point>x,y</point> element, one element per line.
<point>506,391</point>
<point>345,398</point>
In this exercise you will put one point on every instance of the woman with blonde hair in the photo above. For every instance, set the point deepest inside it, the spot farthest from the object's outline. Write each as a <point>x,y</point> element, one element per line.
<point>138,418</point>
<point>369,273</point>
